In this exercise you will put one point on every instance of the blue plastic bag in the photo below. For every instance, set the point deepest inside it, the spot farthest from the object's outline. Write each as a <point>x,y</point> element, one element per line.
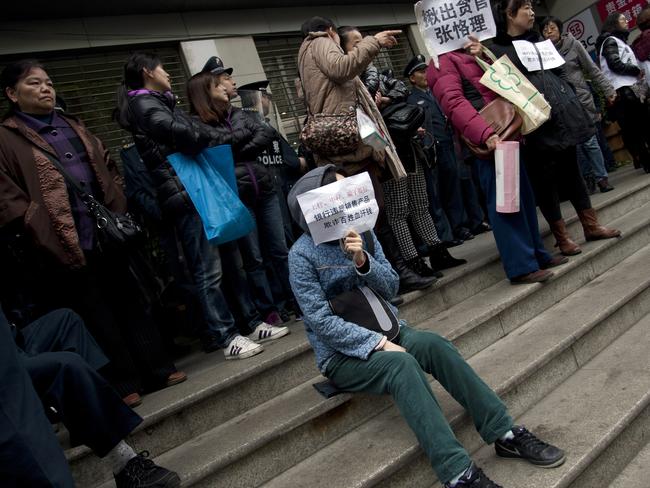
<point>209,179</point>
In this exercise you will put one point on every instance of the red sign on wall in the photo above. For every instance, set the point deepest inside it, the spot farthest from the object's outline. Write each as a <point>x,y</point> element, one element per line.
<point>630,8</point>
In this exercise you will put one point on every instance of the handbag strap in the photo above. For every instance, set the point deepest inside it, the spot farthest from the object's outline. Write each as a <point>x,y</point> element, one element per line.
<point>71,180</point>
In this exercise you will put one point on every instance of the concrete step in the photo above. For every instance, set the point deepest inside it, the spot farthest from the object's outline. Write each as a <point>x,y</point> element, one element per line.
<point>522,367</point>
<point>494,312</point>
<point>218,391</point>
<point>484,269</point>
<point>600,416</point>
<point>637,473</point>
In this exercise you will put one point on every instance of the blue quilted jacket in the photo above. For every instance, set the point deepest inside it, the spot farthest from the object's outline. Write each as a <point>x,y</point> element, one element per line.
<point>318,273</point>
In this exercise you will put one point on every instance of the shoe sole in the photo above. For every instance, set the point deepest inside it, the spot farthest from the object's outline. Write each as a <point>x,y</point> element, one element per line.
<point>554,464</point>
<point>246,354</point>
<point>273,337</point>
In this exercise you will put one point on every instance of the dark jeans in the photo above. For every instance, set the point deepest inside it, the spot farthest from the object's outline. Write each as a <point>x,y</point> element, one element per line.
<point>269,232</point>
<point>610,160</point>
<point>31,454</point>
<point>451,191</point>
<point>403,376</point>
<point>516,234</point>
<point>555,176</point>
<point>204,264</point>
<point>439,216</point>
<point>237,290</point>
<point>474,215</point>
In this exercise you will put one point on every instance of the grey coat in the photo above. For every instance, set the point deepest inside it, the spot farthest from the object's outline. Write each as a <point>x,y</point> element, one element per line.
<point>579,68</point>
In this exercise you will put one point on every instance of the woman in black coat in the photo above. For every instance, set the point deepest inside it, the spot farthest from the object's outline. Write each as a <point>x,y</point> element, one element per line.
<point>147,109</point>
<point>620,66</point>
<point>209,103</point>
<point>550,152</point>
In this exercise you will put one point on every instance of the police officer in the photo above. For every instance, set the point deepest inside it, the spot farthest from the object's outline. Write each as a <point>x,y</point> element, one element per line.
<point>453,197</point>
<point>279,157</point>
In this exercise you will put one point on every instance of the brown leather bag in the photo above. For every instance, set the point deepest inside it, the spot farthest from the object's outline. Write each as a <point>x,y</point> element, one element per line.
<point>504,119</point>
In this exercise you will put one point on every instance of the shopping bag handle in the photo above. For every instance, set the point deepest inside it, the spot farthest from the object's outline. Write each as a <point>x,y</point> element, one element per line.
<point>481,62</point>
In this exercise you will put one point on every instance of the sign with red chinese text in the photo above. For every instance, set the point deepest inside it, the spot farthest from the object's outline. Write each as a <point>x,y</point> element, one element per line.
<point>445,25</point>
<point>630,8</point>
<point>333,210</point>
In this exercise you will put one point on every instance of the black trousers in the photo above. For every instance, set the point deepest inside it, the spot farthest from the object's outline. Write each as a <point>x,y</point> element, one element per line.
<point>30,454</point>
<point>632,116</point>
<point>106,296</point>
<point>88,406</point>
<point>555,176</point>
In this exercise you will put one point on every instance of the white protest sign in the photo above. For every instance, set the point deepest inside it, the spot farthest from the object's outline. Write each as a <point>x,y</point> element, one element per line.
<point>333,210</point>
<point>528,55</point>
<point>446,25</point>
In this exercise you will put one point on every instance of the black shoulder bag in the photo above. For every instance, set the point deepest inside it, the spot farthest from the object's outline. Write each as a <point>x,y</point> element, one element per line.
<point>114,230</point>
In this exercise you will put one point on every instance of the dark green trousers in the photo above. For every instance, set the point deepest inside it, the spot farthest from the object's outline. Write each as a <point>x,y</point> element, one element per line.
<point>402,375</point>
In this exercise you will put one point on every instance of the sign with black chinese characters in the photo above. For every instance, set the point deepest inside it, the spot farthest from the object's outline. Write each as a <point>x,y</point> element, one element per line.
<point>445,25</point>
<point>333,210</point>
<point>630,8</point>
<point>531,54</point>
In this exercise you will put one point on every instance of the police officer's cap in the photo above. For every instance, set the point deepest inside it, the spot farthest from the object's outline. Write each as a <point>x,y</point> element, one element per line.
<point>255,86</point>
<point>215,66</point>
<point>415,64</point>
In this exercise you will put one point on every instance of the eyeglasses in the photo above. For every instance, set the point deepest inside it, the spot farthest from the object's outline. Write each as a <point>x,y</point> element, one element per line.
<point>550,28</point>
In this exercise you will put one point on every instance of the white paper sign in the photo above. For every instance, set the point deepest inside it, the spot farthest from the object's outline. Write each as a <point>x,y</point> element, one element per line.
<point>445,25</point>
<point>333,210</point>
<point>530,58</point>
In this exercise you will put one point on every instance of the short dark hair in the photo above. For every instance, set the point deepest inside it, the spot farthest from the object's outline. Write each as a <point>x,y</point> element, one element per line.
<point>500,9</point>
<point>13,73</point>
<point>344,33</point>
<point>316,24</point>
<point>611,22</point>
<point>552,20</point>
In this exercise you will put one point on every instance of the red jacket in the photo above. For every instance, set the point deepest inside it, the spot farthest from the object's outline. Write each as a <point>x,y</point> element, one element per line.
<point>641,46</point>
<point>446,84</point>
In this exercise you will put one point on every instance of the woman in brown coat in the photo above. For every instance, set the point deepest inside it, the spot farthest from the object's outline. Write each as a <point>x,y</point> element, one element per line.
<point>49,239</point>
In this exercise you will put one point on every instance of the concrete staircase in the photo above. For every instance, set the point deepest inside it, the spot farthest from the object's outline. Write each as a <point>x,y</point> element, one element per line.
<point>569,357</point>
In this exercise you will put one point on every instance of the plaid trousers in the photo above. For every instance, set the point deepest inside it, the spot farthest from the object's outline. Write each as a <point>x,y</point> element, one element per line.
<point>406,199</point>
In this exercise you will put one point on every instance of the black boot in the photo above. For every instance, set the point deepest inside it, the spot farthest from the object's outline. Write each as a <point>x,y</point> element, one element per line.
<point>420,267</point>
<point>409,280</point>
<point>441,259</point>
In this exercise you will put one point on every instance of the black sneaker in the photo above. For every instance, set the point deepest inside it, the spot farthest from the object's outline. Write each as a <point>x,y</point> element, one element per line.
<point>474,477</point>
<point>141,472</point>
<point>526,445</point>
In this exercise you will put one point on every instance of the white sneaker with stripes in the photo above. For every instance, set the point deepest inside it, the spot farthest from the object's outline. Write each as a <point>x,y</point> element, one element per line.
<point>265,332</point>
<point>241,348</point>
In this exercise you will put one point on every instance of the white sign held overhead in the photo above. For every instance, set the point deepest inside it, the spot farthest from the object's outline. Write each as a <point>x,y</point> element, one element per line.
<point>333,210</point>
<point>529,54</point>
<point>446,25</point>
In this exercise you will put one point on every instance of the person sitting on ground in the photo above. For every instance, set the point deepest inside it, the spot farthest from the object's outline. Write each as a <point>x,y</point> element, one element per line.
<point>61,358</point>
<point>356,359</point>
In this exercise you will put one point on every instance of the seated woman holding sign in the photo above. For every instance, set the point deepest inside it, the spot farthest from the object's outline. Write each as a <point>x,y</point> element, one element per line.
<point>353,274</point>
<point>550,151</point>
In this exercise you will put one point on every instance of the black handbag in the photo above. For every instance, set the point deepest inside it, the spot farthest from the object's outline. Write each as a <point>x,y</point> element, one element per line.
<point>366,308</point>
<point>114,230</point>
<point>403,119</point>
